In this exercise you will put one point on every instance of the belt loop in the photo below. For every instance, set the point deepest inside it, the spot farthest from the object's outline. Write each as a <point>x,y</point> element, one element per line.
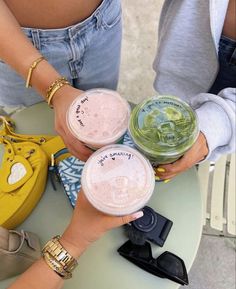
<point>36,38</point>
<point>71,32</point>
<point>98,17</point>
<point>233,58</point>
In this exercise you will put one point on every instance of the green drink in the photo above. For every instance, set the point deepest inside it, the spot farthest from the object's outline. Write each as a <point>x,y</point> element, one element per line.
<point>163,128</point>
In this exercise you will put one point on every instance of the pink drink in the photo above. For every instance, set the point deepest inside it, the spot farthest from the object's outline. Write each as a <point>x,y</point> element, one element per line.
<point>98,117</point>
<point>118,180</point>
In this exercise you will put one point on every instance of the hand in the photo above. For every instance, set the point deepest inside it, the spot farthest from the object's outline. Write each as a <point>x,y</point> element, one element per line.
<point>196,154</point>
<point>61,102</point>
<point>88,224</point>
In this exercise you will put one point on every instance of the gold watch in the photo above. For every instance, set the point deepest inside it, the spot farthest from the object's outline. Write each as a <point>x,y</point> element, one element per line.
<point>58,259</point>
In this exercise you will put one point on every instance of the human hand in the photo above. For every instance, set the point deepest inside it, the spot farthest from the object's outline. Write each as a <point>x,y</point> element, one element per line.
<point>194,155</point>
<point>88,224</point>
<point>61,102</point>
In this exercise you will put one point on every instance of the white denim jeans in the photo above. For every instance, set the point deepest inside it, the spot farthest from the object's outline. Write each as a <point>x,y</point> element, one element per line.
<point>87,53</point>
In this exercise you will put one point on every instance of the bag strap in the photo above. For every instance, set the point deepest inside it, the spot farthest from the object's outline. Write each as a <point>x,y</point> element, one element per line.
<point>8,147</point>
<point>7,130</point>
<point>58,156</point>
<point>50,144</point>
<point>55,159</point>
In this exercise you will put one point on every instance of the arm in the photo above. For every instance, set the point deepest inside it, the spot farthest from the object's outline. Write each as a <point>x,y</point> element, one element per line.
<point>86,226</point>
<point>216,114</point>
<point>19,53</point>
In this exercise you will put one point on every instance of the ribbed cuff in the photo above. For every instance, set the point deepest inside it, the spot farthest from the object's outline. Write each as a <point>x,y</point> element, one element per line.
<point>214,124</point>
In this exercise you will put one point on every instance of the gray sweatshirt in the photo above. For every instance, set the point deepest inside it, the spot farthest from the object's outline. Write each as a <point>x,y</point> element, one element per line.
<point>186,65</point>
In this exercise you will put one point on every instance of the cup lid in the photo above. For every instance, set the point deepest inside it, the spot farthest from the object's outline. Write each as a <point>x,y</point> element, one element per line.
<point>98,117</point>
<point>163,126</point>
<point>118,180</point>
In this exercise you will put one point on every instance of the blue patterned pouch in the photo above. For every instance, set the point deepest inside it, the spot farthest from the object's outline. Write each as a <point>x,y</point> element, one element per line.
<point>69,172</point>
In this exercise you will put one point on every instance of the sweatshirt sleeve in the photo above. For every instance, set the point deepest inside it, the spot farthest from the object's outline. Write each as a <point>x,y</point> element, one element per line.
<point>216,115</point>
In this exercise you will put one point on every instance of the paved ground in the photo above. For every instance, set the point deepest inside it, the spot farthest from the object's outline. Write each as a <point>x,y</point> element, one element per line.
<point>214,267</point>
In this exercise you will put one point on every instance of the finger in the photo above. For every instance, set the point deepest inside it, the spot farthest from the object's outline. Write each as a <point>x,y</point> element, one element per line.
<point>113,222</point>
<point>129,218</point>
<point>164,172</point>
<point>181,165</point>
<point>77,149</point>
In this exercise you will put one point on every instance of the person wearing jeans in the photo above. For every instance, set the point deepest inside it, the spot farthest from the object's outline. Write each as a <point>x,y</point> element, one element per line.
<point>79,40</point>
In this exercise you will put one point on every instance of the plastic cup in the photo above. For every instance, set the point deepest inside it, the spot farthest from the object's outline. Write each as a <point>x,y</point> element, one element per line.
<point>118,180</point>
<point>163,128</point>
<point>98,117</point>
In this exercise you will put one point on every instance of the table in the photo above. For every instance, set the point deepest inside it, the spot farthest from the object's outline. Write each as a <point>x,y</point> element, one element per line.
<point>101,266</point>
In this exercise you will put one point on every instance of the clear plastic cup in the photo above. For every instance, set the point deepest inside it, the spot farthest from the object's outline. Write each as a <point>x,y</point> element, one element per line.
<point>118,180</point>
<point>98,117</point>
<point>163,128</point>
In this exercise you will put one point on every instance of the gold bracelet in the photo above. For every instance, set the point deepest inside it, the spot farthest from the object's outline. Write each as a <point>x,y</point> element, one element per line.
<point>58,258</point>
<point>50,88</point>
<point>54,87</point>
<point>55,266</point>
<point>32,67</point>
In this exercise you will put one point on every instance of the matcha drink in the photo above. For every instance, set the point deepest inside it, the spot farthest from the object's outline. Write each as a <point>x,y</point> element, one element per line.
<point>163,128</point>
<point>98,117</point>
<point>118,180</point>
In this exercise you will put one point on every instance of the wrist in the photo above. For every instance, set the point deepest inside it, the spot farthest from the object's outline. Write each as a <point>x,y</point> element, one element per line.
<point>66,93</point>
<point>43,76</point>
<point>58,257</point>
<point>74,247</point>
<point>63,93</point>
<point>204,146</point>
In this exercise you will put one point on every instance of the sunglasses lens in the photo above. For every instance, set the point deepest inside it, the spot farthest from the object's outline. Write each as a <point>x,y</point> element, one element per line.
<point>173,267</point>
<point>142,252</point>
<point>141,256</point>
<point>167,265</point>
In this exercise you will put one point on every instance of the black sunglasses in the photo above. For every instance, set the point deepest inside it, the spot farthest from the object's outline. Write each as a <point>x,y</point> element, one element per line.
<point>167,265</point>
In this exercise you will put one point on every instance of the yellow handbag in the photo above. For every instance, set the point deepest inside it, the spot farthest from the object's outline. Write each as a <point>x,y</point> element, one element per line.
<point>23,173</point>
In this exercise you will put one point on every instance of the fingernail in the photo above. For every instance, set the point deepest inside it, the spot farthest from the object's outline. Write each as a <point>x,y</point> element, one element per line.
<point>161,170</point>
<point>157,178</point>
<point>137,215</point>
<point>166,181</point>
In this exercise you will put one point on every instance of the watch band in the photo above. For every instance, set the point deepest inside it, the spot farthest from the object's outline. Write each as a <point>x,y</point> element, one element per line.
<point>58,259</point>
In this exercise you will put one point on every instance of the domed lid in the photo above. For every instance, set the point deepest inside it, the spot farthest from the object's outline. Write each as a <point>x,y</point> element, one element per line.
<point>163,126</point>
<point>118,180</point>
<point>98,117</point>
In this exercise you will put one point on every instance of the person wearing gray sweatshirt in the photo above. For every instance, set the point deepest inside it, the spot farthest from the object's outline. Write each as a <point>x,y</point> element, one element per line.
<point>196,61</point>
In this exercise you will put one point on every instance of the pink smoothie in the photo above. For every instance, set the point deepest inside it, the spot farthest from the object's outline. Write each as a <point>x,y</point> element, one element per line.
<point>98,117</point>
<point>118,180</point>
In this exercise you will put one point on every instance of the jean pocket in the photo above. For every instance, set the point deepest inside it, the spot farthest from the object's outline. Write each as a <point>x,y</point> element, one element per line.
<point>112,14</point>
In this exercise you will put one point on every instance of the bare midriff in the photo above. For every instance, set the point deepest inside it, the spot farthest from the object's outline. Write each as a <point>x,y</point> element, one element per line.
<point>49,14</point>
<point>229,29</point>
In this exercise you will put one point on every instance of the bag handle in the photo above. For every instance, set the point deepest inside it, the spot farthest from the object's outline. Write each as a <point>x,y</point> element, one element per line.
<point>48,143</point>
<point>7,131</point>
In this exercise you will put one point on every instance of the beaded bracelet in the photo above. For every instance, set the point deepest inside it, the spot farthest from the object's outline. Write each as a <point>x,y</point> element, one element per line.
<point>54,87</point>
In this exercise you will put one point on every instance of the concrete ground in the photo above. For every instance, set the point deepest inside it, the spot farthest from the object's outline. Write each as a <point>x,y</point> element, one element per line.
<point>214,266</point>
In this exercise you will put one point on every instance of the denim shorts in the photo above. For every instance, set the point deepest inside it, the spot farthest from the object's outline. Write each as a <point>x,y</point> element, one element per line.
<point>87,53</point>
<point>226,76</point>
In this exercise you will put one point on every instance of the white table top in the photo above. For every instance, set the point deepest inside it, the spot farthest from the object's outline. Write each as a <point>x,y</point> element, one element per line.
<point>101,267</point>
